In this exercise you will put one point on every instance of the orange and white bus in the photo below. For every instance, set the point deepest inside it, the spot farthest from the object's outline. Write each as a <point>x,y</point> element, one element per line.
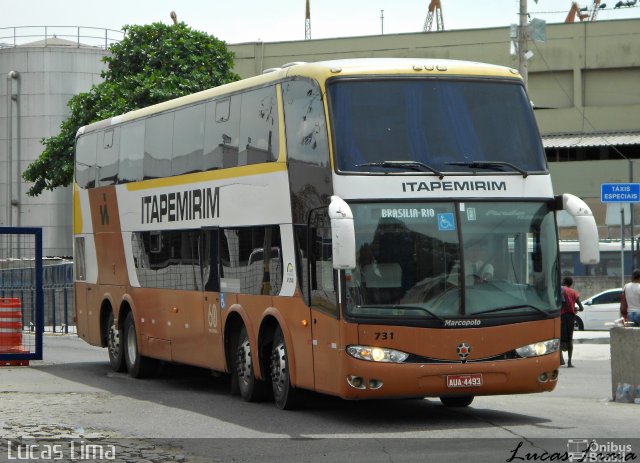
<point>313,228</point>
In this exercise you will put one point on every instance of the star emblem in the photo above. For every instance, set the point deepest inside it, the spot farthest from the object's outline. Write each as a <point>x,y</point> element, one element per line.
<point>463,350</point>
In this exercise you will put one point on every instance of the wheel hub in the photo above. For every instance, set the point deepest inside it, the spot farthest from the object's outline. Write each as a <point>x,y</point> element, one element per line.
<point>113,340</point>
<point>278,366</point>
<point>244,360</point>
<point>132,348</point>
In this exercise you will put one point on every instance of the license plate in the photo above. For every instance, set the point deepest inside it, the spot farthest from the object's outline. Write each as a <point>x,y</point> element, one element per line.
<point>473,380</point>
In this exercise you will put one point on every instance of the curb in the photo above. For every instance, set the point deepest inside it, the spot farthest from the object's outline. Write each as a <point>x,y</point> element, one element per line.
<point>592,341</point>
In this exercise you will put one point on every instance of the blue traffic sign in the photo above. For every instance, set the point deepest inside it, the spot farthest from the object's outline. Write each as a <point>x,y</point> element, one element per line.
<point>620,192</point>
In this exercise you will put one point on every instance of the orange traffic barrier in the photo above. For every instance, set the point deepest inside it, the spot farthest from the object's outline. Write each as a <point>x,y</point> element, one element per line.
<point>11,330</point>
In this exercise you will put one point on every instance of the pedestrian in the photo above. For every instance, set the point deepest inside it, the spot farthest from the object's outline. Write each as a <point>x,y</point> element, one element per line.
<point>630,299</point>
<point>570,297</point>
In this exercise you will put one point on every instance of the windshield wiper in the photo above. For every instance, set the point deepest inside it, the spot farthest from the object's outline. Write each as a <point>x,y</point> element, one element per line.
<point>511,307</point>
<point>414,165</point>
<point>489,165</point>
<point>408,307</point>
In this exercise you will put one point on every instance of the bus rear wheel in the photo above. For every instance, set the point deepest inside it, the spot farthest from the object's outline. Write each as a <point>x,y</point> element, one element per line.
<point>459,401</point>
<point>114,345</point>
<point>285,396</point>
<point>251,388</point>
<point>138,365</point>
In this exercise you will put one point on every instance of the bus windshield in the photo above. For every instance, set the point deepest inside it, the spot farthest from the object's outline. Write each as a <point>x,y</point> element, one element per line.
<point>437,125</point>
<point>453,260</point>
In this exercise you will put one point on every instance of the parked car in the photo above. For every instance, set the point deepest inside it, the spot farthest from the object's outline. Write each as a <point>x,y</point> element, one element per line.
<point>599,310</point>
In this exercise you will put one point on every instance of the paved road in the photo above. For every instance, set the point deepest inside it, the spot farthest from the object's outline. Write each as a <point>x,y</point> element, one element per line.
<point>187,415</point>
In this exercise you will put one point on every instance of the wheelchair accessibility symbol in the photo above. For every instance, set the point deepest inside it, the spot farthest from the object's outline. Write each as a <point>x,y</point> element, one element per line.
<point>446,222</point>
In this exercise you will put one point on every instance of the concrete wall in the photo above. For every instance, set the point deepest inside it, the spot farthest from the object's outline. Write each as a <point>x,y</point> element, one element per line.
<point>625,357</point>
<point>47,78</point>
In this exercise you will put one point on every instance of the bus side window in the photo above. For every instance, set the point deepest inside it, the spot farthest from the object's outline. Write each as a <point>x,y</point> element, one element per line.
<point>244,265</point>
<point>322,276</point>
<point>221,133</point>
<point>86,160</point>
<point>158,143</point>
<point>188,140</point>
<point>258,127</point>
<point>209,259</point>
<point>168,259</point>
<point>305,121</point>
<point>80,266</point>
<point>131,152</point>
<point>107,158</point>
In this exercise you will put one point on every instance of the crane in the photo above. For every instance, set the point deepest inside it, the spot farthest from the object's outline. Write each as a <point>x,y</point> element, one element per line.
<point>595,8</point>
<point>435,9</point>
<point>307,23</point>
<point>574,12</point>
<point>577,12</point>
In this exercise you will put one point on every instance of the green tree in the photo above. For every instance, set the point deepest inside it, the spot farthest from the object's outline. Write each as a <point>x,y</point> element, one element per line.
<point>153,63</point>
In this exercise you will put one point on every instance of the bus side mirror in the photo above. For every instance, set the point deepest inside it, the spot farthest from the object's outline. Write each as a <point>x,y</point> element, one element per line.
<point>587,228</point>
<point>343,235</point>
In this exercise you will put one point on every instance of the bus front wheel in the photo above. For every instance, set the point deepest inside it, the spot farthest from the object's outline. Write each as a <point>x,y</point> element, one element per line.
<point>459,401</point>
<point>138,365</point>
<point>285,396</point>
<point>114,346</point>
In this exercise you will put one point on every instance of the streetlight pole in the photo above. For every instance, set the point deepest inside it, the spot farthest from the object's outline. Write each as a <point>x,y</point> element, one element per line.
<point>622,243</point>
<point>633,247</point>
<point>522,42</point>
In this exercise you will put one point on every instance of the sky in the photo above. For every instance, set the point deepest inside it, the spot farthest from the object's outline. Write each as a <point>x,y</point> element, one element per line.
<point>238,21</point>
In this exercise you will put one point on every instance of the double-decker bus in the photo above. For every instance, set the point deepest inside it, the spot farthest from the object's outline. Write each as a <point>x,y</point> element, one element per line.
<point>312,228</point>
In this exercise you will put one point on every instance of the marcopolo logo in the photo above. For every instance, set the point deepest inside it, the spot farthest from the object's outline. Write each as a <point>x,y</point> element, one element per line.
<point>462,323</point>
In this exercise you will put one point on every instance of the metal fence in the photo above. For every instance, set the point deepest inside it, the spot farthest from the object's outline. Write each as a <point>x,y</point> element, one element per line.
<point>21,294</point>
<point>17,280</point>
<point>59,36</point>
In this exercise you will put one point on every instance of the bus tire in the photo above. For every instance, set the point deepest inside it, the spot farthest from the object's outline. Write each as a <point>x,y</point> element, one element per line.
<point>459,401</point>
<point>251,388</point>
<point>115,347</point>
<point>285,396</point>
<point>138,365</point>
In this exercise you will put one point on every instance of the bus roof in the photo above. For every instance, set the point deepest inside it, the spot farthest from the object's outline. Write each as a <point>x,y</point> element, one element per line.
<point>321,71</point>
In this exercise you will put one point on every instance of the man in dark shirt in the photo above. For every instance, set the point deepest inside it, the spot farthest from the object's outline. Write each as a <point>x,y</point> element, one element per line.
<point>570,297</point>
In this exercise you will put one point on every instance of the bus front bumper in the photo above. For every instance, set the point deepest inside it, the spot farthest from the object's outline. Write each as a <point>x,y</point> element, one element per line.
<point>367,380</point>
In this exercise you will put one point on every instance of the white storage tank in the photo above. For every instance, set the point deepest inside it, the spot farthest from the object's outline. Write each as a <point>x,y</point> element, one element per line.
<point>41,68</point>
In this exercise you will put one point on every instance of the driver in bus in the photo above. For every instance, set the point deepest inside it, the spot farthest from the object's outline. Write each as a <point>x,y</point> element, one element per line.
<point>477,266</point>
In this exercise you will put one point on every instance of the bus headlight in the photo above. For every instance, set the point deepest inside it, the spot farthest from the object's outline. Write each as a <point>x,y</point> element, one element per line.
<point>539,348</point>
<point>377,354</point>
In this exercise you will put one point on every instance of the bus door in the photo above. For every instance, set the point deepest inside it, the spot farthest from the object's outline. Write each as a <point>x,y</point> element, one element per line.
<point>181,301</point>
<point>212,301</point>
<point>325,323</point>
